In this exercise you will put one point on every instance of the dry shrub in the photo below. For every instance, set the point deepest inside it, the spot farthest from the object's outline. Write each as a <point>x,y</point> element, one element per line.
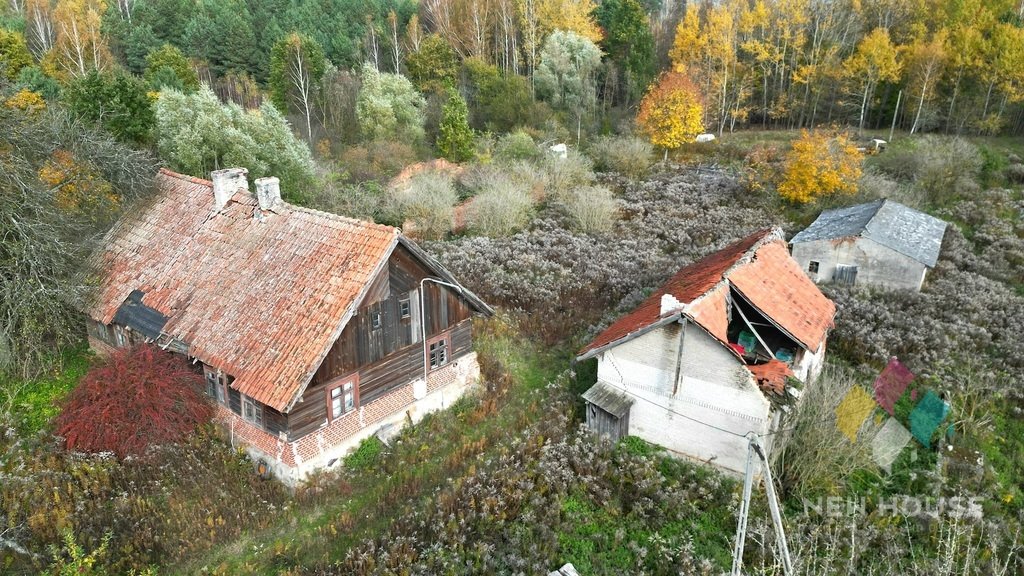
<point>501,207</point>
<point>134,399</point>
<point>942,168</point>
<point>379,160</point>
<point>1015,173</point>
<point>564,174</point>
<point>817,458</point>
<point>427,202</point>
<point>628,155</point>
<point>592,209</point>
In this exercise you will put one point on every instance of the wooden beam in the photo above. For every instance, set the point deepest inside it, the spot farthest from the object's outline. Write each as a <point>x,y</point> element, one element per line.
<point>679,355</point>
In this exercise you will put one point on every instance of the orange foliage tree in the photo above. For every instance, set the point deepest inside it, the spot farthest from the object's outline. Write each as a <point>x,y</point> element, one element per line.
<point>671,111</point>
<point>820,164</point>
<point>136,398</point>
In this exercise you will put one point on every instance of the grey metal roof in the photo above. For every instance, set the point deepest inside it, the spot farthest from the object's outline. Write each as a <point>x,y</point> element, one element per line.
<point>134,314</point>
<point>609,399</point>
<point>912,233</point>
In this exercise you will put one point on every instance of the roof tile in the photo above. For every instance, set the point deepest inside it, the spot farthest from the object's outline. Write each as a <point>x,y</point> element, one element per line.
<point>230,283</point>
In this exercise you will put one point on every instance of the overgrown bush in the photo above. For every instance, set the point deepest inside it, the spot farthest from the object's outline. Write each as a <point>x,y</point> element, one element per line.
<point>501,207</point>
<point>817,458</point>
<point>627,155</point>
<point>591,209</point>
<point>379,160</point>
<point>564,174</point>
<point>942,168</point>
<point>132,400</point>
<point>516,145</point>
<point>1015,173</point>
<point>181,500</point>
<point>427,202</point>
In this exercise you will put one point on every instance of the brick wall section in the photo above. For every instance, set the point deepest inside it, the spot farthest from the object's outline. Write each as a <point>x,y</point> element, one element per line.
<point>288,458</point>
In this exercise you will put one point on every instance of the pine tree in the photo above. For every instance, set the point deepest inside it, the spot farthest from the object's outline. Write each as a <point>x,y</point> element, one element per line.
<point>455,141</point>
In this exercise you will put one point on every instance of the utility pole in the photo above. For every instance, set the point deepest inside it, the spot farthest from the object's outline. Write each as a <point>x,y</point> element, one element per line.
<point>754,448</point>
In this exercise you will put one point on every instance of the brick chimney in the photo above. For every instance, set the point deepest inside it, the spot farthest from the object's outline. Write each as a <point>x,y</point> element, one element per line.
<point>268,192</point>
<point>226,182</point>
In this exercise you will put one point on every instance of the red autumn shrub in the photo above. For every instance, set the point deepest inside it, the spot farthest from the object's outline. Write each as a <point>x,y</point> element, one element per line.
<point>134,399</point>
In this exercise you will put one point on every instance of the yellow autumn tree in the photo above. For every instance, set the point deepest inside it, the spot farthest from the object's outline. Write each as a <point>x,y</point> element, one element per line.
<point>820,164</point>
<point>79,186</point>
<point>671,111</point>
<point>568,15</point>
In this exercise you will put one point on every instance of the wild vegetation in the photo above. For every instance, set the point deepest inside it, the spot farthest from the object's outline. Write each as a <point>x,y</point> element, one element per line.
<point>346,101</point>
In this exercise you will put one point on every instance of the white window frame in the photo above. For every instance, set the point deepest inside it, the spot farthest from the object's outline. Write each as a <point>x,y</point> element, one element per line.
<point>342,398</point>
<point>439,350</point>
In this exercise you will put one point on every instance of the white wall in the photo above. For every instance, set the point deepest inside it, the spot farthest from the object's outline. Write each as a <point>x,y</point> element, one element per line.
<point>876,264</point>
<point>715,389</point>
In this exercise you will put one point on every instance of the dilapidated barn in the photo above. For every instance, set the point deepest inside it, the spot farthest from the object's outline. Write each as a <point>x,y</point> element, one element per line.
<point>313,330</point>
<point>880,243</point>
<point>707,358</point>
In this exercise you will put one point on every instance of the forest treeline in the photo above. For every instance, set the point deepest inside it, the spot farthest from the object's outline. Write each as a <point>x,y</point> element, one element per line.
<point>952,66</point>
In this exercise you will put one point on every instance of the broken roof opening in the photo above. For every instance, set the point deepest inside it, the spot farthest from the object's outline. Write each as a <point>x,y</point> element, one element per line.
<point>761,339</point>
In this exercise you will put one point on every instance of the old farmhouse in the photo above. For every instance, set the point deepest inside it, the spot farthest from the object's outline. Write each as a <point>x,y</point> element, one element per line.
<point>880,243</point>
<point>706,359</point>
<point>313,330</point>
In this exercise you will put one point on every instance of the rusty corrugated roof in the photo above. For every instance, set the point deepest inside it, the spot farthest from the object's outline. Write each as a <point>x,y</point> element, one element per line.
<point>760,267</point>
<point>261,298</point>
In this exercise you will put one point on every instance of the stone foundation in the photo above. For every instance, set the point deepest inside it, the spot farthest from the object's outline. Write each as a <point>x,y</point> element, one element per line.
<point>293,461</point>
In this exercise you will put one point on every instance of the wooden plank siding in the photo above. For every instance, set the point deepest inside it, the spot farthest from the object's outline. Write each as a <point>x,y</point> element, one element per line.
<point>392,354</point>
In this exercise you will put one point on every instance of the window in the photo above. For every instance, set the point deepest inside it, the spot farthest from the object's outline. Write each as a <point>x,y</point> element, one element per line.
<point>215,387</point>
<point>813,267</point>
<point>341,399</point>
<point>375,320</point>
<point>437,351</point>
<point>403,308</point>
<point>252,411</point>
<point>119,335</point>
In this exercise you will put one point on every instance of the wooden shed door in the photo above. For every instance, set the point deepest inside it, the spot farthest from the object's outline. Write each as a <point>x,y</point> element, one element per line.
<point>605,424</point>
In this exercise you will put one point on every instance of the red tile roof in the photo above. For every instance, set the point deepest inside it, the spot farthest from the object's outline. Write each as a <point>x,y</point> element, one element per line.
<point>760,267</point>
<point>771,376</point>
<point>261,299</point>
<point>686,286</point>
<point>776,285</point>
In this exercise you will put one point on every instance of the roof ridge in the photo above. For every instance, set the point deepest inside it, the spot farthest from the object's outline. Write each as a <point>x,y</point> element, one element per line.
<point>195,180</point>
<point>294,207</point>
<point>772,233</point>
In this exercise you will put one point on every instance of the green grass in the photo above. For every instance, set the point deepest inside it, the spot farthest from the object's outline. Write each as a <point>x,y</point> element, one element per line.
<point>37,402</point>
<point>335,511</point>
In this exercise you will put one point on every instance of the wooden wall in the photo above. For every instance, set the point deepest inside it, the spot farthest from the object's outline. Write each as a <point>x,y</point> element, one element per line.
<point>391,355</point>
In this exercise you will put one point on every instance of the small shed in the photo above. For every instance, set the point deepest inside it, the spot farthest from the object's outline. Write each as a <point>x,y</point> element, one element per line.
<point>608,411</point>
<point>881,243</point>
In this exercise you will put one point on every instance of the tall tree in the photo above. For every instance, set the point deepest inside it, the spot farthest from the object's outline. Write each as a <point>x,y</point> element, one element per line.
<point>14,54</point>
<point>876,60</point>
<point>670,113</point>
<point>455,138</point>
<point>925,61</point>
<point>222,33</point>
<point>576,16</point>
<point>43,281</point>
<point>79,47</point>
<point>389,107</point>
<point>566,74</point>
<point>297,67</point>
<point>628,42</point>
<point>196,134</point>
<point>433,66</point>
<point>117,101</point>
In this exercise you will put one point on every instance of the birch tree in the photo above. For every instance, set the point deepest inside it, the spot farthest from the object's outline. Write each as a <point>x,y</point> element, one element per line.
<point>297,66</point>
<point>925,62</point>
<point>875,60</point>
<point>79,47</point>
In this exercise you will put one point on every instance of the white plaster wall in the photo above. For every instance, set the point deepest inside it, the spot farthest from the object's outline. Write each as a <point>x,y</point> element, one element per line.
<point>715,389</point>
<point>876,264</point>
<point>808,364</point>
